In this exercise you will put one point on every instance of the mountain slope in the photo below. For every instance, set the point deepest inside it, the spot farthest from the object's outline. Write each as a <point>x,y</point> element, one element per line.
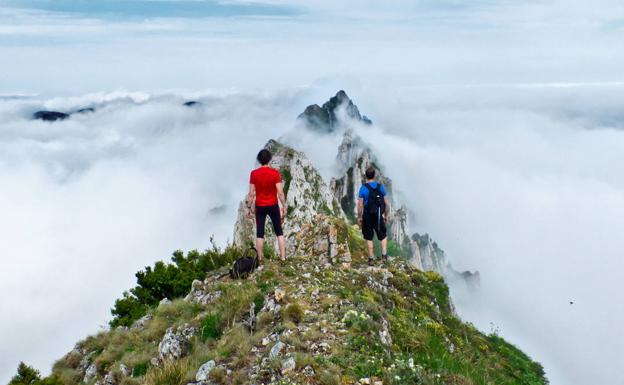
<point>305,321</point>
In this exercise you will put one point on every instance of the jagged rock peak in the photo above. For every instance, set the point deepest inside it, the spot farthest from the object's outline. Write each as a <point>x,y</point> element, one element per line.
<point>328,118</point>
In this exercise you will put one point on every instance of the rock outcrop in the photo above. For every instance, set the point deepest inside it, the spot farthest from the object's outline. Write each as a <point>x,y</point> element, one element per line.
<point>326,119</point>
<point>310,203</point>
<point>353,158</point>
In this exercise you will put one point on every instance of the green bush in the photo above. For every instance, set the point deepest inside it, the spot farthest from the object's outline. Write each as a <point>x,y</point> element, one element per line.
<point>27,375</point>
<point>168,280</point>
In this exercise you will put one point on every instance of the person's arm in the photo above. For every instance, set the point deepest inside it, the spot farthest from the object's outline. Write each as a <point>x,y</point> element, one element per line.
<point>387,210</point>
<point>251,196</point>
<point>360,209</point>
<point>282,197</point>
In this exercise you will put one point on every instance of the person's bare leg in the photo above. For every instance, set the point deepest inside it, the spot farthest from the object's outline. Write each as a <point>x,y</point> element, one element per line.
<point>260,248</point>
<point>282,247</point>
<point>384,246</point>
<point>384,249</point>
<point>371,252</point>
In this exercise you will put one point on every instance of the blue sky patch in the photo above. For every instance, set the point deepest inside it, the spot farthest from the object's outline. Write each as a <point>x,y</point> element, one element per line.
<point>152,8</point>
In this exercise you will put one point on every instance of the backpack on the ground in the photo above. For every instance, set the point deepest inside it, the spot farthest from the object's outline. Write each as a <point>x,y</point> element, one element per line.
<point>376,204</point>
<point>242,267</point>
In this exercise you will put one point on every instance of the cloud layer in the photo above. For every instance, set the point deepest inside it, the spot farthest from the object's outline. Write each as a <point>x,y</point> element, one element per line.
<point>502,122</point>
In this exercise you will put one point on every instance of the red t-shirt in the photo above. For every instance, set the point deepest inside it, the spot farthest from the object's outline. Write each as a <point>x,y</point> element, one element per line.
<point>265,178</point>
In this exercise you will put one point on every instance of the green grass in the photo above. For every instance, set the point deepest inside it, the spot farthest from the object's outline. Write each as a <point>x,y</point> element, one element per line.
<point>430,345</point>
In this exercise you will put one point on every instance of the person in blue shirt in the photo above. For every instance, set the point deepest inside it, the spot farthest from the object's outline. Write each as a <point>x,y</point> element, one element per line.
<point>373,208</point>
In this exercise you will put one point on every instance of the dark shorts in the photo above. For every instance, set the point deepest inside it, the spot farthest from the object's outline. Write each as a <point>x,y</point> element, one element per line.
<point>274,213</point>
<point>372,224</point>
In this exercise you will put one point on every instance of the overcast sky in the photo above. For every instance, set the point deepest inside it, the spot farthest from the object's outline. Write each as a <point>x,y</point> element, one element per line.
<point>501,122</point>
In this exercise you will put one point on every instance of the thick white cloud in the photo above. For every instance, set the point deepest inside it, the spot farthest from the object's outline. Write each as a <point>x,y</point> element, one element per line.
<point>506,116</point>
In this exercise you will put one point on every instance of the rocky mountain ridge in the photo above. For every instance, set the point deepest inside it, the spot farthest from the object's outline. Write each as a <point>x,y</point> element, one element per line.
<point>312,196</point>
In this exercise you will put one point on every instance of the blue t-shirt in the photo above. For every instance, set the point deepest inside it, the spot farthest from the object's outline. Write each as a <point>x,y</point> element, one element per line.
<point>364,191</point>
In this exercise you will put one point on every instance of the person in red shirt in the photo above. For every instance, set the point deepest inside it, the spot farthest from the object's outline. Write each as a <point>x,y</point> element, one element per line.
<point>265,186</point>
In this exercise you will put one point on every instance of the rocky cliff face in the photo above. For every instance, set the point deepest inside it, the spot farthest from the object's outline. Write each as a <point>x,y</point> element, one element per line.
<point>313,213</point>
<point>353,158</point>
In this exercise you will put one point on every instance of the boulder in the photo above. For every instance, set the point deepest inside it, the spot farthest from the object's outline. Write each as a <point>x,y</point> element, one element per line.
<point>288,365</point>
<point>204,371</point>
<point>90,372</point>
<point>277,349</point>
<point>176,343</point>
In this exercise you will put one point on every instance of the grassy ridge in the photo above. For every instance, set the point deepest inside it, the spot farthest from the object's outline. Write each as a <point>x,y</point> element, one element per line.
<point>344,309</point>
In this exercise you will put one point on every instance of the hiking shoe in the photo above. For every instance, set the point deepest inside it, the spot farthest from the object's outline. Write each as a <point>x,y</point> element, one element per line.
<point>384,257</point>
<point>371,261</point>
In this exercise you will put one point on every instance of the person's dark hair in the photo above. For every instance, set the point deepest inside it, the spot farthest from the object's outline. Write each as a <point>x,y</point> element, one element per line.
<point>370,173</point>
<point>264,156</point>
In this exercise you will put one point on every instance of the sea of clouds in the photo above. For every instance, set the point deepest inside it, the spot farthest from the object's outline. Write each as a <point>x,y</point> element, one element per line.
<point>521,190</point>
<point>500,122</point>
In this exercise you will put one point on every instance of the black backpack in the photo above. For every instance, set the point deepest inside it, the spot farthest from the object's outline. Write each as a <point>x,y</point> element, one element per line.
<point>242,267</point>
<point>376,204</point>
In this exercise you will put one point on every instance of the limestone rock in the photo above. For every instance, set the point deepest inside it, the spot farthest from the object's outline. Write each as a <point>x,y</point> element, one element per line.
<point>175,343</point>
<point>164,301</point>
<point>277,349</point>
<point>384,333</point>
<point>90,372</point>
<point>204,371</point>
<point>141,322</point>
<point>307,196</point>
<point>288,365</point>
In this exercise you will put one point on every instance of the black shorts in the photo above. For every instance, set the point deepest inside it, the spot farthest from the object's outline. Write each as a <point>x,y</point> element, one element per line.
<point>373,224</point>
<point>274,213</point>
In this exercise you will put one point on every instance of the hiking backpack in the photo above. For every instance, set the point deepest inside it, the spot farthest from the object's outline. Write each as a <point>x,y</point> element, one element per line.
<point>376,204</point>
<point>245,265</point>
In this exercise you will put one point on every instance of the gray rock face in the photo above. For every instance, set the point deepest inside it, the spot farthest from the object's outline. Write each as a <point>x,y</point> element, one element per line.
<point>325,119</point>
<point>175,343</point>
<point>200,293</point>
<point>141,322</point>
<point>204,371</point>
<point>288,365</point>
<point>307,197</point>
<point>354,157</point>
<point>277,349</point>
<point>90,372</point>
<point>384,333</point>
<point>164,301</point>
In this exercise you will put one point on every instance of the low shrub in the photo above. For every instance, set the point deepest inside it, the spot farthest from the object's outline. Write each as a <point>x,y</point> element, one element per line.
<point>171,373</point>
<point>211,327</point>
<point>293,312</point>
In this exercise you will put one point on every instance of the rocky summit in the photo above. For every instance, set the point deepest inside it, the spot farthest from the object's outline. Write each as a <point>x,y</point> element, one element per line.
<point>327,118</point>
<point>323,316</point>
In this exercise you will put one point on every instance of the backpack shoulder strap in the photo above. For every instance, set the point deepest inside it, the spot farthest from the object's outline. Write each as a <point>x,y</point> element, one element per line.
<point>369,187</point>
